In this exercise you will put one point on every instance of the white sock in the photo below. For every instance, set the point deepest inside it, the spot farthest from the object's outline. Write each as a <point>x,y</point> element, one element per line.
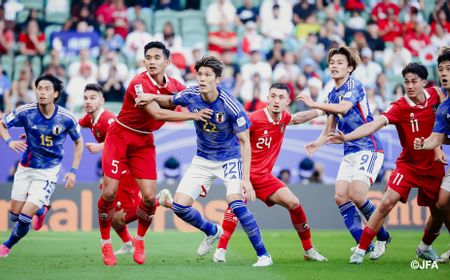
<point>423,246</point>
<point>128,243</point>
<point>139,237</point>
<point>106,241</point>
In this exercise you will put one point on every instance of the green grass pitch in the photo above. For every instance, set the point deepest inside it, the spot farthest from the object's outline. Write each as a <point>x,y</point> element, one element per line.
<point>172,255</point>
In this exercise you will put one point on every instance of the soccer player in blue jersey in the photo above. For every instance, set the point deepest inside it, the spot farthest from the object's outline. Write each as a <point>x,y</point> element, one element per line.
<point>440,134</point>
<point>223,151</point>
<point>348,107</point>
<point>46,127</point>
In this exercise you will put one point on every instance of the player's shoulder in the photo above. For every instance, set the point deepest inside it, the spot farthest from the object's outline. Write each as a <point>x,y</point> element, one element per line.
<point>25,109</point>
<point>230,102</point>
<point>353,84</point>
<point>65,114</point>
<point>256,116</point>
<point>108,114</point>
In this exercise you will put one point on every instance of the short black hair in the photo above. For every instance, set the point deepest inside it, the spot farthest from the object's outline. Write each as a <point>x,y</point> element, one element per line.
<point>157,45</point>
<point>212,62</point>
<point>95,87</point>
<point>416,68</point>
<point>281,86</point>
<point>444,56</point>
<point>57,83</point>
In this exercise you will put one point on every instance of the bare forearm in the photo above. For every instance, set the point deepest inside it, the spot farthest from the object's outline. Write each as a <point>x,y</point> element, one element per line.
<point>160,114</point>
<point>340,108</point>
<point>4,132</point>
<point>246,158</point>
<point>165,101</point>
<point>78,152</point>
<point>433,141</point>
<point>366,129</point>
<point>302,117</point>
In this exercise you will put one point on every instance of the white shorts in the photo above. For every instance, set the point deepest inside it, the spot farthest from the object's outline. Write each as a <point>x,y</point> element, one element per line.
<point>34,185</point>
<point>446,182</point>
<point>363,166</point>
<point>202,173</point>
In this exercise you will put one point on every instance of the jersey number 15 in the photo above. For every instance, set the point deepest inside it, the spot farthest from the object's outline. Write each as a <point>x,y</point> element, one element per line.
<point>46,140</point>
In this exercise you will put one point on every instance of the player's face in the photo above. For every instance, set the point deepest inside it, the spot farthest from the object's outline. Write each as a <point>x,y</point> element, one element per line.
<point>413,85</point>
<point>278,100</point>
<point>444,74</point>
<point>338,66</point>
<point>207,80</point>
<point>155,62</point>
<point>45,94</point>
<point>92,101</point>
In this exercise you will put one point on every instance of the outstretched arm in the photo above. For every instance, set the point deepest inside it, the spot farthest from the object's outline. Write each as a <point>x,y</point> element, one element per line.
<point>164,101</point>
<point>330,125</point>
<point>433,141</point>
<point>154,110</point>
<point>339,108</point>
<point>306,116</point>
<point>362,131</point>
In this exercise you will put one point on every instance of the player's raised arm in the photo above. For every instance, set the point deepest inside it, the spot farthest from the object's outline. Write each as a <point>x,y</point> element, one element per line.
<point>154,110</point>
<point>306,116</point>
<point>312,147</point>
<point>71,176</point>
<point>339,108</point>
<point>246,154</point>
<point>362,131</point>
<point>164,101</point>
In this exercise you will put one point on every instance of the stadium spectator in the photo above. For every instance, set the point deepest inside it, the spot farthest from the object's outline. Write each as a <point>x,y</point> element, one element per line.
<point>302,11</point>
<point>168,36</point>
<point>136,39</point>
<point>354,5</point>
<point>84,59</point>
<point>87,16</point>
<point>285,176</point>
<point>383,89</point>
<point>390,27</point>
<point>251,40</point>
<point>113,89</point>
<point>276,26</point>
<point>32,15</point>
<point>287,71</point>
<point>440,38</point>
<point>220,12</point>
<point>22,89</point>
<point>231,75</point>
<point>441,19</point>
<point>275,55</point>
<point>374,42</point>
<point>376,103</point>
<point>120,18</point>
<point>267,6</point>
<point>381,10</point>
<point>416,40</point>
<point>249,69</point>
<point>77,6</point>
<point>104,13</point>
<point>222,40</point>
<point>112,41</point>
<point>399,91</point>
<point>331,31</point>
<point>111,59</point>
<point>410,16</point>
<point>6,39</point>
<point>171,170</point>
<point>167,4</point>
<point>75,88</point>
<point>32,42</point>
<point>311,49</point>
<point>396,57</point>
<point>368,70</point>
<point>310,25</point>
<point>246,13</point>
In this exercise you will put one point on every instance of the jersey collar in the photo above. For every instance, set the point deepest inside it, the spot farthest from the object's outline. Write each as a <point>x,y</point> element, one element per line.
<point>156,84</point>
<point>98,117</point>
<point>269,118</point>
<point>412,104</point>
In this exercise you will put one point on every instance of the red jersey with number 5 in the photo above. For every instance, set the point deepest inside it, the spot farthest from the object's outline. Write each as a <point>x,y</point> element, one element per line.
<point>100,125</point>
<point>137,118</point>
<point>415,121</point>
<point>266,138</point>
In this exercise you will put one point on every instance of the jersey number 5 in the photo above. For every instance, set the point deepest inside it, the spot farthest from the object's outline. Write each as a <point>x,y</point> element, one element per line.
<point>264,141</point>
<point>46,140</point>
<point>115,164</point>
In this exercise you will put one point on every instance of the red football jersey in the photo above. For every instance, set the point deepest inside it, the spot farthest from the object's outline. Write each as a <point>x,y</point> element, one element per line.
<point>100,125</point>
<point>414,121</point>
<point>266,138</point>
<point>136,118</point>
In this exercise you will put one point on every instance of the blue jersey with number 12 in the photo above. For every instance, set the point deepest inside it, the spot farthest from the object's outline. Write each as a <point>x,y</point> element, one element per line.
<point>216,138</point>
<point>45,137</point>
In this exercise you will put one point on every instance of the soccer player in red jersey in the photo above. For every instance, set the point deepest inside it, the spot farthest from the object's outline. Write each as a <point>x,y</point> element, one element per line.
<point>98,120</point>
<point>266,137</point>
<point>129,146</point>
<point>413,116</point>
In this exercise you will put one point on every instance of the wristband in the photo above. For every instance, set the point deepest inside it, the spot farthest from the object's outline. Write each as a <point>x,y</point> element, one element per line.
<point>9,140</point>
<point>73,170</point>
<point>320,112</point>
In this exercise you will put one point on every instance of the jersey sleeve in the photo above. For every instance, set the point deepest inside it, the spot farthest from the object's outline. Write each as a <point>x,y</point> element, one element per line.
<point>85,121</point>
<point>15,118</point>
<point>393,113</point>
<point>241,121</point>
<point>354,94</point>
<point>135,88</point>
<point>440,125</point>
<point>182,98</point>
<point>73,128</point>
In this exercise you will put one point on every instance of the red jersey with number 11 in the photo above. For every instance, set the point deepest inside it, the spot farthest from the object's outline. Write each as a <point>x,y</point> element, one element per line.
<point>266,138</point>
<point>415,121</point>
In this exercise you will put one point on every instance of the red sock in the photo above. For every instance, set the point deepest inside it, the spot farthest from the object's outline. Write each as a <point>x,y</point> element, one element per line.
<point>145,217</point>
<point>300,224</point>
<point>366,238</point>
<point>429,237</point>
<point>229,224</point>
<point>123,233</point>
<point>105,215</point>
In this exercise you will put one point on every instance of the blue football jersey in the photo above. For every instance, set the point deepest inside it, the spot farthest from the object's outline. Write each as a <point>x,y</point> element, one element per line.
<point>359,114</point>
<point>45,137</point>
<point>216,138</point>
<point>442,122</point>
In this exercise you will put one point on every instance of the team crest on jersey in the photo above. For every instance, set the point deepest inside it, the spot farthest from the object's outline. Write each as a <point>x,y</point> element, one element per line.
<point>138,89</point>
<point>435,107</point>
<point>220,117</point>
<point>57,129</point>
<point>282,126</point>
<point>98,134</point>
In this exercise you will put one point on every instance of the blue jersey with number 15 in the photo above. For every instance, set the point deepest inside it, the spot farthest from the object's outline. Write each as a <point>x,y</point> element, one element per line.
<point>45,137</point>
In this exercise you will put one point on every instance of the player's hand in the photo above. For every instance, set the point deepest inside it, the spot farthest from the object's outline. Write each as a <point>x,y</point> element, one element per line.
<point>203,115</point>
<point>336,138</point>
<point>306,98</point>
<point>144,99</point>
<point>70,180</point>
<point>418,143</point>
<point>311,148</point>
<point>440,156</point>
<point>18,146</point>
<point>94,147</point>
<point>248,189</point>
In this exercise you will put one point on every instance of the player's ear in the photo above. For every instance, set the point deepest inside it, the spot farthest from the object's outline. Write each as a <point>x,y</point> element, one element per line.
<point>218,80</point>
<point>167,62</point>
<point>288,101</point>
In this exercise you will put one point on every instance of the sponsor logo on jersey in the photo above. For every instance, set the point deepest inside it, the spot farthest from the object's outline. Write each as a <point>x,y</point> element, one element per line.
<point>220,117</point>
<point>138,89</point>
<point>57,129</point>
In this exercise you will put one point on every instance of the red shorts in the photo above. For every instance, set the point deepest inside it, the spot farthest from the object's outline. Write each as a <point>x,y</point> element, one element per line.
<point>265,186</point>
<point>128,150</point>
<point>403,179</point>
<point>127,197</point>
